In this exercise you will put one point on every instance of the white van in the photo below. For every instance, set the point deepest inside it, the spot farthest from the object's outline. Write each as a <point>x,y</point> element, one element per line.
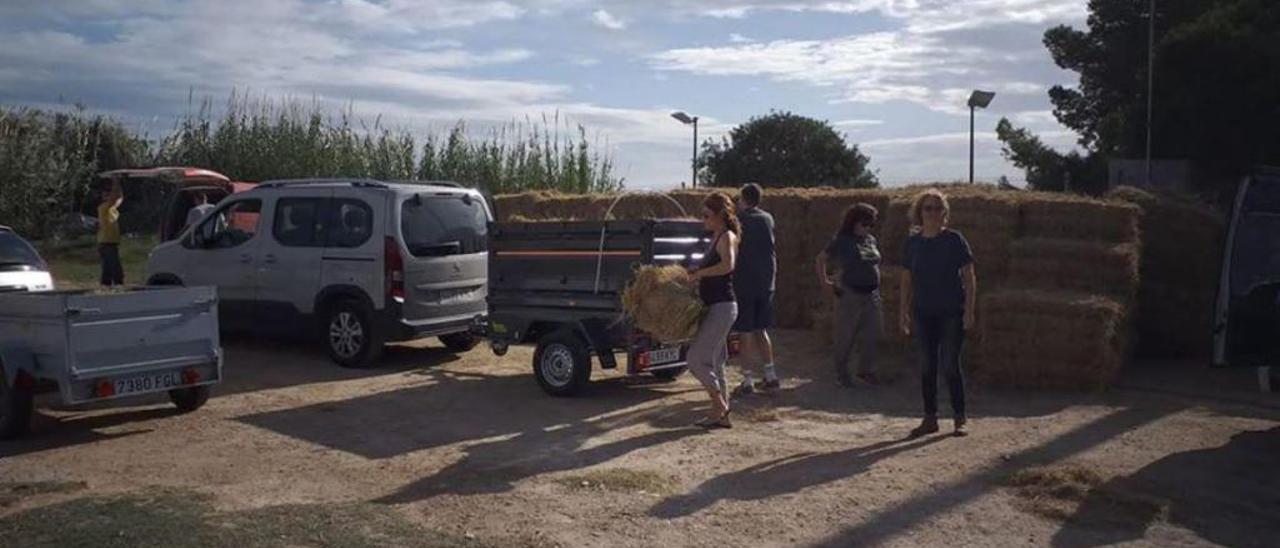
<point>361,262</point>
<point>1247,316</point>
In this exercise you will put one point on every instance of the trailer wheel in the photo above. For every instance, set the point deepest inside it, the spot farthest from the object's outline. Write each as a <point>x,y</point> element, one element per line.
<point>562,364</point>
<point>459,342</point>
<point>15,410</point>
<point>350,335</point>
<point>669,374</point>
<point>189,399</point>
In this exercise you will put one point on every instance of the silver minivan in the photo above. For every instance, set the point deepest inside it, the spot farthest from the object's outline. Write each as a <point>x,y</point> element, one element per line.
<point>1247,315</point>
<point>359,262</point>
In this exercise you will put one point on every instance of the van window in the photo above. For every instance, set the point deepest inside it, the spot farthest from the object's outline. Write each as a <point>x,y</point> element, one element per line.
<point>230,225</point>
<point>349,223</point>
<point>16,252</point>
<point>435,226</point>
<point>297,222</point>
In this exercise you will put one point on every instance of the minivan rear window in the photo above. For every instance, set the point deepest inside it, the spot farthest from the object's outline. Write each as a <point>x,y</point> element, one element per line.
<point>14,251</point>
<point>435,226</point>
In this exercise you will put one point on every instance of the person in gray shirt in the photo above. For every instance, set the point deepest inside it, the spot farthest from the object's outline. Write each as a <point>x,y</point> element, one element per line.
<point>858,305</point>
<point>754,284</point>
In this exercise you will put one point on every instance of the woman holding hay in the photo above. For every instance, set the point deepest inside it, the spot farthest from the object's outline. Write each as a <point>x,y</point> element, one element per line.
<point>857,316</point>
<point>939,291</point>
<point>708,351</point>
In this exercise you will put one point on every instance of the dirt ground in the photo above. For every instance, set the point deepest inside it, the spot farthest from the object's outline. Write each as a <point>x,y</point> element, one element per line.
<point>437,449</point>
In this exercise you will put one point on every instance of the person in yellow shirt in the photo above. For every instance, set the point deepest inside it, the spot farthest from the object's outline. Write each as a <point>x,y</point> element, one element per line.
<point>109,235</point>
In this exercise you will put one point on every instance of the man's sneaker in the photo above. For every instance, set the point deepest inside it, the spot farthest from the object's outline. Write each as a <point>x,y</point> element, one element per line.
<point>868,378</point>
<point>961,429</point>
<point>743,389</point>
<point>769,386</point>
<point>927,426</point>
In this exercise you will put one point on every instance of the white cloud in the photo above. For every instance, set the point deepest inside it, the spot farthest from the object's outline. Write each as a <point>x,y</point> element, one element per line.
<point>857,123</point>
<point>739,39</point>
<point>945,157</point>
<point>604,19</point>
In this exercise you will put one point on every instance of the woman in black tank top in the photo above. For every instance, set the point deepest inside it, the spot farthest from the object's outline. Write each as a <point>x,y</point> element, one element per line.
<point>708,351</point>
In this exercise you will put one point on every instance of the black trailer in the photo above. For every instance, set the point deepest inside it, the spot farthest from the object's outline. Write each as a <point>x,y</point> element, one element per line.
<point>559,285</point>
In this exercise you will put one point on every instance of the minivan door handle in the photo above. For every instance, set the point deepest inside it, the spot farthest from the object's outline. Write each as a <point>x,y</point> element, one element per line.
<point>269,259</point>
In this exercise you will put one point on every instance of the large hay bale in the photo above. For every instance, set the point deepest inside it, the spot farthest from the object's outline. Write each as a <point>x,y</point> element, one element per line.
<point>1074,265</point>
<point>1039,339</point>
<point>1181,256</point>
<point>1077,218</point>
<point>895,227</point>
<point>662,301</point>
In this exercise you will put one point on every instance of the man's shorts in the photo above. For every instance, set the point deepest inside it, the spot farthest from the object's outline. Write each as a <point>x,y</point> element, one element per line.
<point>755,311</point>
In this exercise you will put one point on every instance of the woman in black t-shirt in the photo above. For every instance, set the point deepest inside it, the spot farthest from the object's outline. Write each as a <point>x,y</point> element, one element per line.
<point>708,351</point>
<point>938,299</point>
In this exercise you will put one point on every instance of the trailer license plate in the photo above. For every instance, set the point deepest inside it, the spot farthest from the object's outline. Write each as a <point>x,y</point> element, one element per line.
<point>664,355</point>
<point>148,383</point>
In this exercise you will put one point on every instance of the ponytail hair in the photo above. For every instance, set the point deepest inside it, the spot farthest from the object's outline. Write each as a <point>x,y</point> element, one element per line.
<point>721,204</point>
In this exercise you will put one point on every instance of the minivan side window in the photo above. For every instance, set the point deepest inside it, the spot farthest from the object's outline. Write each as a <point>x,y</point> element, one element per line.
<point>349,223</point>
<point>229,226</point>
<point>297,222</point>
<point>436,226</point>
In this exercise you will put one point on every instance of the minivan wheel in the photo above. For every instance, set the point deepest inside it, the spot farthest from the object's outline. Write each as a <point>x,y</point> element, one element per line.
<point>350,335</point>
<point>15,410</point>
<point>459,342</point>
<point>562,364</point>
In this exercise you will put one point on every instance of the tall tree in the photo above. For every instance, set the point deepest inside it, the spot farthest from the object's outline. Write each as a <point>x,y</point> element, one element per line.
<point>1217,82</point>
<point>784,149</point>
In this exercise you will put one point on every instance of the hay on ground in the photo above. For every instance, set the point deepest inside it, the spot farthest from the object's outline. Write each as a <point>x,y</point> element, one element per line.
<point>661,301</point>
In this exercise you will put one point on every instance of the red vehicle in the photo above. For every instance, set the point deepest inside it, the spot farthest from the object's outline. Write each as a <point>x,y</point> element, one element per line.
<point>188,182</point>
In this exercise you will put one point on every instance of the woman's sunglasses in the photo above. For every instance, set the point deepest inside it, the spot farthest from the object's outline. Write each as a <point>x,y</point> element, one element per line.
<point>931,208</point>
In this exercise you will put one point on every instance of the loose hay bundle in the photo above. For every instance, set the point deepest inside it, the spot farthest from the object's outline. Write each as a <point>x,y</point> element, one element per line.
<point>661,302</point>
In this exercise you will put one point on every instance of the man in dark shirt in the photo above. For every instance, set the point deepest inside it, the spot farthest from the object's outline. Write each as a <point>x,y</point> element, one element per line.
<point>753,279</point>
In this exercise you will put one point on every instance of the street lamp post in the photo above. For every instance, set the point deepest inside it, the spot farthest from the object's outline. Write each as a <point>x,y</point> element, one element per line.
<point>691,120</point>
<point>977,99</point>
<point>1151,77</point>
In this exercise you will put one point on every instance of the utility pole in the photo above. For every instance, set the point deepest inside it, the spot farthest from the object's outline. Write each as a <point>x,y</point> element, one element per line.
<point>1151,77</point>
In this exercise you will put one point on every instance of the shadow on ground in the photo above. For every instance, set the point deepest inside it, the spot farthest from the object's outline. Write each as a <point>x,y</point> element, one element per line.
<point>1228,495</point>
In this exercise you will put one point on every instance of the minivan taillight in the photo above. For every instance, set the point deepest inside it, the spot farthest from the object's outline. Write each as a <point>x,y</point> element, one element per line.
<point>393,269</point>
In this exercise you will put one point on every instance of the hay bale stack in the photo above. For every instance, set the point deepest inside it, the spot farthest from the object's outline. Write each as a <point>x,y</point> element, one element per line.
<point>1037,339</point>
<point>894,229</point>
<point>796,282</point>
<point>662,301</point>
<point>1062,217</point>
<point>1075,265</point>
<point>990,223</point>
<point>1181,255</point>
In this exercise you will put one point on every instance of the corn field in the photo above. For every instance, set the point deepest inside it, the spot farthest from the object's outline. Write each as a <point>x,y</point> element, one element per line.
<point>48,159</point>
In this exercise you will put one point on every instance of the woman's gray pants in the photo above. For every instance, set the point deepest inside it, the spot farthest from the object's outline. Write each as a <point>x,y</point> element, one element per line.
<point>709,351</point>
<point>857,324</point>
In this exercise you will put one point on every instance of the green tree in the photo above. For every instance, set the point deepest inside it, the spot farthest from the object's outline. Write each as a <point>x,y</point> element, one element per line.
<point>784,149</point>
<point>1217,82</point>
<point>1046,168</point>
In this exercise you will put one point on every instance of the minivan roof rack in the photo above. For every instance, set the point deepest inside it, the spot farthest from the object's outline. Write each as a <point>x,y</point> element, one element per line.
<point>450,184</point>
<point>369,183</point>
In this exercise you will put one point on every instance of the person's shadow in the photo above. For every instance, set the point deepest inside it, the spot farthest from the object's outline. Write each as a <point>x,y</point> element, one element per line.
<point>785,475</point>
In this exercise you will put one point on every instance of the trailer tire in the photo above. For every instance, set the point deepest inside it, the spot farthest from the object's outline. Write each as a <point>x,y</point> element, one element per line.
<point>350,334</point>
<point>562,364</point>
<point>669,374</point>
<point>459,342</point>
<point>189,399</point>
<point>16,405</point>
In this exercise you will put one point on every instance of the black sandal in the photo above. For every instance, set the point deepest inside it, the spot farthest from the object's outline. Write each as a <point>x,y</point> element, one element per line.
<point>722,422</point>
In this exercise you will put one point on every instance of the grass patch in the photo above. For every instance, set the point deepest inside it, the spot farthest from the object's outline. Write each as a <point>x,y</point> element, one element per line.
<point>75,264</point>
<point>1078,494</point>
<point>621,480</point>
<point>13,493</point>
<point>168,517</point>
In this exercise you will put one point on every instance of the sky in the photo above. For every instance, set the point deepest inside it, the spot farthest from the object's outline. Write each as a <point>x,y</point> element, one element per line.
<point>892,75</point>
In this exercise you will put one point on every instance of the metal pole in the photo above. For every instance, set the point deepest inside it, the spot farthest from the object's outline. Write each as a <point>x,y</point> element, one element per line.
<point>970,144</point>
<point>693,181</point>
<point>1151,76</point>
